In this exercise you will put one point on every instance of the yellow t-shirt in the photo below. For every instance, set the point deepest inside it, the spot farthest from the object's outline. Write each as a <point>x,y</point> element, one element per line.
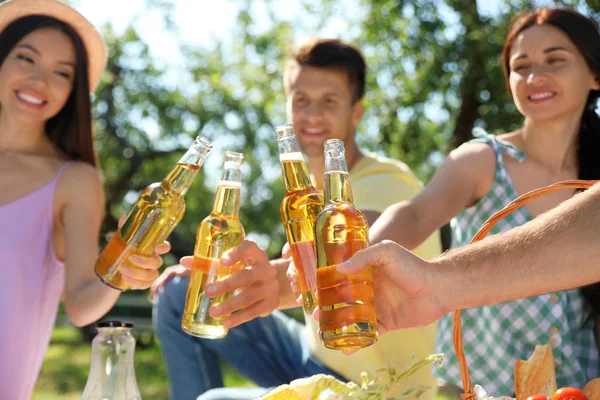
<point>378,182</point>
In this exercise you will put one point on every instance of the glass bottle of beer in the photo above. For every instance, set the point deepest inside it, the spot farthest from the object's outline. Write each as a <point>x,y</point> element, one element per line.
<point>217,233</point>
<point>346,306</point>
<point>299,209</point>
<point>153,217</point>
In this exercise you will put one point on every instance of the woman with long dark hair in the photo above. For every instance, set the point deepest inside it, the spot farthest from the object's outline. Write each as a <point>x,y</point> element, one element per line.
<point>551,61</point>
<point>51,197</point>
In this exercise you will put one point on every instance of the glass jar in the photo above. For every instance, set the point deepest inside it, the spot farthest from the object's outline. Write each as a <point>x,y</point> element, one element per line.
<point>112,373</point>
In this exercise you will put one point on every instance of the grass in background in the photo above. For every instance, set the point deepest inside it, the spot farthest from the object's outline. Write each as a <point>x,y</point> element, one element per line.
<point>67,365</point>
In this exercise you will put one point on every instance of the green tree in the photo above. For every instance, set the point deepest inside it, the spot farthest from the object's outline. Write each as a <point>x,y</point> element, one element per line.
<point>438,72</point>
<point>144,124</point>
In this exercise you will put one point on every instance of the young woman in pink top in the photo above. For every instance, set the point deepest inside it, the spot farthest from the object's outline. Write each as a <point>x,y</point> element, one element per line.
<point>51,198</point>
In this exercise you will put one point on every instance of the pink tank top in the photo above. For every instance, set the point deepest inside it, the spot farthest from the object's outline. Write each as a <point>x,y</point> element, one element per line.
<point>32,280</point>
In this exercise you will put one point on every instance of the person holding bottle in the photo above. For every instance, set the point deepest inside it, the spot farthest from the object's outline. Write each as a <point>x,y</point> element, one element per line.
<point>528,260</point>
<point>51,198</point>
<point>324,82</point>
<point>551,61</point>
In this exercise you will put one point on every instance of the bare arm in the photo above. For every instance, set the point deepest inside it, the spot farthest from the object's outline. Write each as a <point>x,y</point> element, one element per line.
<point>371,216</point>
<point>86,298</point>
<point>462,179</point>
<point>558,250</point>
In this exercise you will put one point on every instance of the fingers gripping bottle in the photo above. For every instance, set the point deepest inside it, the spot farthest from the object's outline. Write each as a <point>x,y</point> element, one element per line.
<point>217,233</point>
<point>157,211</point>
<point>299,209</point>
<point>346,304</point>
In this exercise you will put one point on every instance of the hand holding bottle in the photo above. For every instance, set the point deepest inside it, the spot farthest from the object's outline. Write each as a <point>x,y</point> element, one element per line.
<point>168,274</point>
<point>145,270</point>
<point>256,284</point>
<point>410,291</point>
<point>292,274</point>
<point>159,208</point>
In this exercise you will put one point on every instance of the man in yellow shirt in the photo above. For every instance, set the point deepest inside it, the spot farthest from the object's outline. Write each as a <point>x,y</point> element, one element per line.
<point>324,83</point>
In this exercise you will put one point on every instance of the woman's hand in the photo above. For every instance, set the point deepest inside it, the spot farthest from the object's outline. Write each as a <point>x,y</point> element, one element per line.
<point>145,269</point>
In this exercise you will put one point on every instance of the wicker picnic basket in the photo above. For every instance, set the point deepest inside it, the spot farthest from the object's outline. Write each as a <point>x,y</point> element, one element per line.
<point>520,201</point>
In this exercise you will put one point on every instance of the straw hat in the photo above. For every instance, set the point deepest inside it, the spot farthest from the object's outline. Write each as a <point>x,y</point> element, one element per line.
<point>12,10</point>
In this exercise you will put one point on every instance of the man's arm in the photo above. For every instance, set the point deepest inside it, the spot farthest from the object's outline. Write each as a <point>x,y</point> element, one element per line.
<point>559,250</point>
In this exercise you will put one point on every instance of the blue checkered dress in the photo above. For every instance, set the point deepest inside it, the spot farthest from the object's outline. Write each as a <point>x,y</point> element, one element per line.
<point>494,337</point>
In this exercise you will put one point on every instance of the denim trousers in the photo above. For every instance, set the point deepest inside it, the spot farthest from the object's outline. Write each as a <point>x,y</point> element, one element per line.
<point>269,351</point>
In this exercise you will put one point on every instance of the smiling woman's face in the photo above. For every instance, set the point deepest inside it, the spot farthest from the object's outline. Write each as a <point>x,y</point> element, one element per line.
<point>37,76</point>
<point>549,77</point>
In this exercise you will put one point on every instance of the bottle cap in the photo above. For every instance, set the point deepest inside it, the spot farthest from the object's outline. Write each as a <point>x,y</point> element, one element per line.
<point>113,324</point>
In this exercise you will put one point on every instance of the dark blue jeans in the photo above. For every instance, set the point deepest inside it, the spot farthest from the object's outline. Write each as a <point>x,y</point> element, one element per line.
<point>269,351</point>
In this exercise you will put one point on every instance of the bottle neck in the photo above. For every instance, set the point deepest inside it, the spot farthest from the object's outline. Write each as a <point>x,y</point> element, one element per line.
<point>183,174</point>
<point>294,172</point>
<point>293,168</point>
<point>337,187</point>
<point>181,178</point>
<point>227,199</point>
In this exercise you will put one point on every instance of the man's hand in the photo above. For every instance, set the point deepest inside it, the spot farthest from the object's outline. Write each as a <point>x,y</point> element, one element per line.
<point>168,274</point>
<point>292,274</point>
<point>403,284</point>
<point>257,286</point>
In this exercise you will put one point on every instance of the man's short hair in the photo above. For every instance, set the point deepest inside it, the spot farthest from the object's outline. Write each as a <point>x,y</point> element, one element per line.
<point>330,54</point>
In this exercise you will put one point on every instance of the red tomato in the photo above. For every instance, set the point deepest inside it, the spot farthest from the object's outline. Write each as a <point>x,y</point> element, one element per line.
<point>569,393</point>
<point>537,397</point>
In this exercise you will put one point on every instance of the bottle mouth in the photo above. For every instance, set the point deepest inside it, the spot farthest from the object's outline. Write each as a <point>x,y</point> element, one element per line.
<point>113,324</point>
<point>284,131</point>
<point>233,159</point>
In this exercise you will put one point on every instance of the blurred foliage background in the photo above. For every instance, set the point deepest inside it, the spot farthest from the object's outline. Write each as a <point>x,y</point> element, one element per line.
<point>434,74</point>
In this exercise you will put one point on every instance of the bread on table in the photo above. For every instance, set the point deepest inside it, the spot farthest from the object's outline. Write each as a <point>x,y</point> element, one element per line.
<point>592,389</point>
<point>536,375</point>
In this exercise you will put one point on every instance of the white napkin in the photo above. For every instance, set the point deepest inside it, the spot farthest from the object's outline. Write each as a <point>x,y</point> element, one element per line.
<point>483,395</point>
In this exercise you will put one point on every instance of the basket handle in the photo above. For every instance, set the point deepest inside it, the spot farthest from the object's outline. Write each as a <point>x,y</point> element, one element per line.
<point>486,227</point>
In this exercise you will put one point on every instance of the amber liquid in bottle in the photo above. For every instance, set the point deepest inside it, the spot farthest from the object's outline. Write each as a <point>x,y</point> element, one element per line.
<point>299,210</point>
<point>346,301</point>
<point>217,233</point>
<point>153,217</point>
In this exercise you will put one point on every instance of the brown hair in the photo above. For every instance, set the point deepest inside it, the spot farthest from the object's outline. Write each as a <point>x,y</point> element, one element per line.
<point>71,128</point>
<point>331,54</point>
<point>583,32</point>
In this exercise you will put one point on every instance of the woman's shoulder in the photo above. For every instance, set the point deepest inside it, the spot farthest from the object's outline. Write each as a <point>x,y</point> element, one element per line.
<point>473,153</point>
<point>486,146</point>
<point>78,181</point>
<point>79,169</point>
<point>515,138</point>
